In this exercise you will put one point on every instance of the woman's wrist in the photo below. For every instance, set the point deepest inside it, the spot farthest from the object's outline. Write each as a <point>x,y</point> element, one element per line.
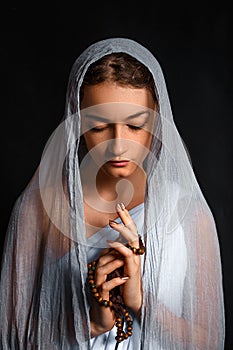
<point>97,330</point>
<point>133,293</point>
<point>101,323</point>
<point>136,310</point>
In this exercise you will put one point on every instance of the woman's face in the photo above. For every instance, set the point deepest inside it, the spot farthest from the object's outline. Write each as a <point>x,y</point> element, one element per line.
<point>117,124</point>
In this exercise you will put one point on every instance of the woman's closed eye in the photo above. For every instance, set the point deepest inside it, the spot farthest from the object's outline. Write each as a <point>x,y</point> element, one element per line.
<point>136,127</point>
<point>99,128</point>
<point>103,127</point>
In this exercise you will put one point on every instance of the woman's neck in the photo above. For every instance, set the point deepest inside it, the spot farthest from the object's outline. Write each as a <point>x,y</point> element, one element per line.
<point>111,188</point>
<point>107,191</point>
<point>102,195</point>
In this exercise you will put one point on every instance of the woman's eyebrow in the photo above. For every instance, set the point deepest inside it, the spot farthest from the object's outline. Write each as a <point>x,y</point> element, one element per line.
<point>138,114</point>
<point>96,117</point>
<point>106,120</point>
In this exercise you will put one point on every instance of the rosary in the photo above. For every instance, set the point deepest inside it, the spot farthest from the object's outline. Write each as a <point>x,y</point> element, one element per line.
<point>123,320</point>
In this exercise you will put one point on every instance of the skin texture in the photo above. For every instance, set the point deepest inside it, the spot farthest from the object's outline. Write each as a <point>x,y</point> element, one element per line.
<point>123,140</point>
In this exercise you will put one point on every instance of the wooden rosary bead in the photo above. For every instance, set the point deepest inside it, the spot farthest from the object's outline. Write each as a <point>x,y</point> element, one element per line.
<point>119,321</point>
<point>138,251</point>
<point>119,339</point>
<point>141,251</point>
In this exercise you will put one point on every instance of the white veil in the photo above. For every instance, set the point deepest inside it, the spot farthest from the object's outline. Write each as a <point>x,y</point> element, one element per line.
<point>43,293</point>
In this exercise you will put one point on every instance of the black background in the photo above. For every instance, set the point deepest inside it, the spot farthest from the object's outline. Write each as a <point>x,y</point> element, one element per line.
<point>192,42</point>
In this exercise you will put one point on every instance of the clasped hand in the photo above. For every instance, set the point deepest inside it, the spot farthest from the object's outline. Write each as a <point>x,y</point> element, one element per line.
<point>113,258</point>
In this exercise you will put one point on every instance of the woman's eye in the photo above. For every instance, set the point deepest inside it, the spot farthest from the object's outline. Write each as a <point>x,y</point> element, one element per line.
<point>136,127</point>
<point>98,128</point>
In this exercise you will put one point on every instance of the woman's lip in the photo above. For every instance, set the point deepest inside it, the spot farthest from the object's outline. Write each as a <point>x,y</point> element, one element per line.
<point>119,162</point>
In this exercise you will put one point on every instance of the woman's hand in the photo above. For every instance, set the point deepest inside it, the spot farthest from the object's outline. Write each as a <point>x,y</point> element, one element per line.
<point>132,289</point>
<point>103,318</point>
<point>111,260</point>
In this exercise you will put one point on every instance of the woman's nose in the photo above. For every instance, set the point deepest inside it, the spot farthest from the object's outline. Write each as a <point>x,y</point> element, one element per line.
<point>118,144</point>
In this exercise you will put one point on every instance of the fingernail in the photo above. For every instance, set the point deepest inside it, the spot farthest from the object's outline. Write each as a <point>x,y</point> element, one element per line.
<point>120,206</point>
<point>112,222</point>
<point>124,278</point>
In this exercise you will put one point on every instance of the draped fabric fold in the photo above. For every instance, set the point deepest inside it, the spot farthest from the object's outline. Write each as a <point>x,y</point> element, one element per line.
<point>43,292</point>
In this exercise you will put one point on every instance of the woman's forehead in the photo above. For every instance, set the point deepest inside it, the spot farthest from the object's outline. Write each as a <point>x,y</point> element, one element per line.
<point>109,92</point>
<point>118,111</point>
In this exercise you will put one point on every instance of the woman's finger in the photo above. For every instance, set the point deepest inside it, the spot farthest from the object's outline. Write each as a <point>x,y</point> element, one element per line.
<point>105,251</point>
<point>121,248</point>
<point>108,257</point>
<point>107,286</point>
<point>114,282</point>
<point>130,227</point>
<point>129,232</point>
<point>125,215</point>
<point>103,270</point>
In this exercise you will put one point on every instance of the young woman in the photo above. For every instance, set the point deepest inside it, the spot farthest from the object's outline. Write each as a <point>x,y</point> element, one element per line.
<point>112,244</point>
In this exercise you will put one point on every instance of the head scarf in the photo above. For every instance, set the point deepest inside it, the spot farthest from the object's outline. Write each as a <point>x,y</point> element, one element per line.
<point>44,303</point>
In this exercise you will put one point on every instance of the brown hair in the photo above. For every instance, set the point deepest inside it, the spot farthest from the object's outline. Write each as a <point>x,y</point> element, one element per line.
<point>120,68</point>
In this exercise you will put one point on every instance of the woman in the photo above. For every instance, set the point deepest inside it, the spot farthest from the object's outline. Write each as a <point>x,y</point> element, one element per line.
<point>112,244</point>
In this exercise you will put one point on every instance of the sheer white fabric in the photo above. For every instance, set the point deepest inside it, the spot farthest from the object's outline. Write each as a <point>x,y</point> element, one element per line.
<point>43,291</point>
